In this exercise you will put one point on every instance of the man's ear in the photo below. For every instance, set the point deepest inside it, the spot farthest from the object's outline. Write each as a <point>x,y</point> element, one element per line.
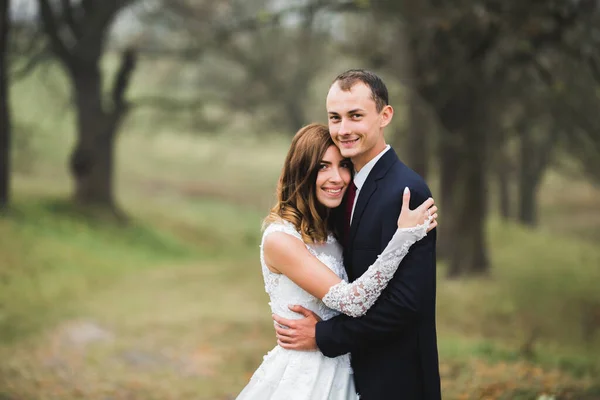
<point>386,116</point>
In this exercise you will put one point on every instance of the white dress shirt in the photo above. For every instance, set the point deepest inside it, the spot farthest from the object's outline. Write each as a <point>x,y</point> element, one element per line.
<point>361,176</point>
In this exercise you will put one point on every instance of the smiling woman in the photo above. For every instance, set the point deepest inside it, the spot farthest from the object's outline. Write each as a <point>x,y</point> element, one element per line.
<point>333,178</point>
<point>312,157</point>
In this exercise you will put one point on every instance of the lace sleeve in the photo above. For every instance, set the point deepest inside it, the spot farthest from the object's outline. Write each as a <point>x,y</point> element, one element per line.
<point>354,299</point>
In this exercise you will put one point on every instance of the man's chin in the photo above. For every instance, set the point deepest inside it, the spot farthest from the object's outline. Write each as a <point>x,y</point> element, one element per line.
<point>348,153</point>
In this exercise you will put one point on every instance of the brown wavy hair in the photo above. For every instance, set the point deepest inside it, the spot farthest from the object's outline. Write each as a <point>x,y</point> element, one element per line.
<point>296,191</point>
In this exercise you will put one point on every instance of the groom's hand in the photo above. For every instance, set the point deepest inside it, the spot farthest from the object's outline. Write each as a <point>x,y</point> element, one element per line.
<point>297,334</point>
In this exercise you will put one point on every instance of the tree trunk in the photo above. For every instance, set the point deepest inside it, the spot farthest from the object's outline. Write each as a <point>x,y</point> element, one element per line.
<point>503,176</point>
<point>464,238</point>
<point>98,116</point>
<point>5,125</point>
<point>468,255</point>
<point>448,154</point>
<point>502,172</point>
<point>294,115</point>
<point>92,160</point>
<point>528,200</point>
<point>92,157</point>
<point>535,157</point>
<point>417,154</point>
<point>463,185</point>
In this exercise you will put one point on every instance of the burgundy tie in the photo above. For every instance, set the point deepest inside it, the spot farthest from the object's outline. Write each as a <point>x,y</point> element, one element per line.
<point>348,212</point>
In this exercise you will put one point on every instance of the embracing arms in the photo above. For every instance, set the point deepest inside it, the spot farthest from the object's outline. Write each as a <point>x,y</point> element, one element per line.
<point>408,294</point>
<point>287,255</point>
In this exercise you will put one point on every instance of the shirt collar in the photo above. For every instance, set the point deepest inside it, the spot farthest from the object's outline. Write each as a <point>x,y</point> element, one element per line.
<point>361,176</point>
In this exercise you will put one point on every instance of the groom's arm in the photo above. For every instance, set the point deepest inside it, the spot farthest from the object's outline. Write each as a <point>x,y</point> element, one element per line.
<point>400,305</point>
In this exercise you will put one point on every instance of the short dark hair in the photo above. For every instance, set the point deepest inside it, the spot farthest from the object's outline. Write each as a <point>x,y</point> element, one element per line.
<point>379,92</point>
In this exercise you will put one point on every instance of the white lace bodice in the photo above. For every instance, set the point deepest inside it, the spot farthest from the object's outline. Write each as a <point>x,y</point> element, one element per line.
<point>352,299</point>
<point>283,292</point>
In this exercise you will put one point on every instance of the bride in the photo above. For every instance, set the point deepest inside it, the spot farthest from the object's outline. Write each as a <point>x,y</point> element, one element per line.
<point>301,258</point>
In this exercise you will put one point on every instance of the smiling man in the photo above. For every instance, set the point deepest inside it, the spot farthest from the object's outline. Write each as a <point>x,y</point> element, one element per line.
<point>394,346</point>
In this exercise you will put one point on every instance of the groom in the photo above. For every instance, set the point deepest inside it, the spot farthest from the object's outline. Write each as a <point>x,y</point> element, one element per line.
<point>393,347</point>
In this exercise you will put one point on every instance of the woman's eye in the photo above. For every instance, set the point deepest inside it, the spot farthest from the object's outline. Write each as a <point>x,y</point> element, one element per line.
<point>322,166</point>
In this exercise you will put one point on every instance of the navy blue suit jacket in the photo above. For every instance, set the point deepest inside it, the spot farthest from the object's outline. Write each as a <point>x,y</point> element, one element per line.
<point>393,347</point>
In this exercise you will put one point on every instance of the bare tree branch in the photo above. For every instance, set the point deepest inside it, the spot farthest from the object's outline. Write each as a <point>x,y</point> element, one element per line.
<point>33,61</point>
<point>31,51</point>
<point>91,39</point>
<point>128,63</point>
<point>52,30</point>
<point>68,15</point>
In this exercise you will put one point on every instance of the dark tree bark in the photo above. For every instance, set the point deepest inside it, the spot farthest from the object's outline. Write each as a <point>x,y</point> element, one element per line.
<point>418,136</point>
<point>503,176</point>
<point>448,156</point>
<point>501,169</point>
<point>535,157</point>
<point>463,178</point>
<point>98,118</point>
<point>5,125</point>
<point>528,181</point>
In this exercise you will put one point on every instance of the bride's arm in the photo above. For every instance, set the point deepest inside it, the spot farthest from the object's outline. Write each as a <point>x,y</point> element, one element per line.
<point>288,255</point>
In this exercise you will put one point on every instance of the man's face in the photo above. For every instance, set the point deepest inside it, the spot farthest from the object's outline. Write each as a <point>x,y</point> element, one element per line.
<point>354,123</point>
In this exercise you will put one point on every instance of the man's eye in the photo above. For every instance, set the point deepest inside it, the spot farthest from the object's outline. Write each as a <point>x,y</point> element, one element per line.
<point>356,115</point>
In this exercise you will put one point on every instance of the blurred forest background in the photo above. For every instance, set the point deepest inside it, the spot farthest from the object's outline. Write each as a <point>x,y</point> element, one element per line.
<point>140,145</point>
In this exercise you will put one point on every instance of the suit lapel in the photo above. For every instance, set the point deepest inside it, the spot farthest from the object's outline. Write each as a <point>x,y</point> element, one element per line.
<point>369,188</point>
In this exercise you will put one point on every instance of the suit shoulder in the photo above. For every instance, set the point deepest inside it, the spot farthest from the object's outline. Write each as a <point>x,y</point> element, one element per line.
<point>401,176</point>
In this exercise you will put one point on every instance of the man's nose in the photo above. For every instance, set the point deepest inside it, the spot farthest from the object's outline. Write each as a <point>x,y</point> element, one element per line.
<point>343,128</point>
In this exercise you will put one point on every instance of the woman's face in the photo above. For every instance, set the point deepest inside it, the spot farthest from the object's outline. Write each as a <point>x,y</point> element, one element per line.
<point>333,178</point>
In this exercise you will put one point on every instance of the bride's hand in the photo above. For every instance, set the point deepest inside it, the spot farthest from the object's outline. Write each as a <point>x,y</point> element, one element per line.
<point>411,218</point>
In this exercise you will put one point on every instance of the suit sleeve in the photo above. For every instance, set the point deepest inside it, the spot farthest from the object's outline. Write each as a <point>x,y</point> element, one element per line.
<point>400,304</point>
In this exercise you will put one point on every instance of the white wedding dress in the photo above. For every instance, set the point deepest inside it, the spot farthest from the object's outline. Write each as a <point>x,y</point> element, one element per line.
<point>309,375</point>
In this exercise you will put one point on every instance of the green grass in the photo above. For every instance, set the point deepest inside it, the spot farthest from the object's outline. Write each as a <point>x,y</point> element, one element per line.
<point>54,258</point>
